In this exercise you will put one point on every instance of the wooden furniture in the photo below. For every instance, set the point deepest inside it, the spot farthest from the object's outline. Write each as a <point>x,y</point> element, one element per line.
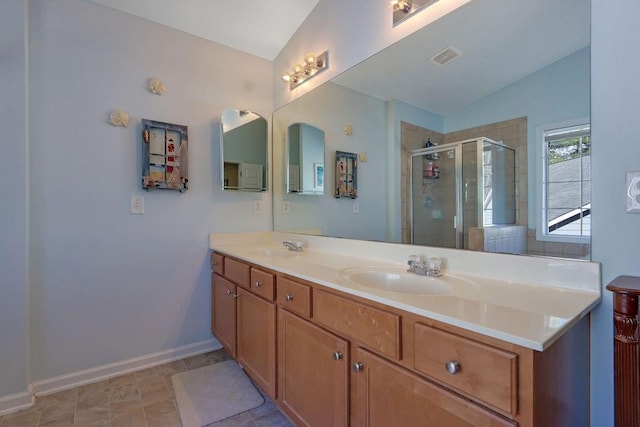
<point>626,351</point>
<point>344,360</point>
<point>244,317</point>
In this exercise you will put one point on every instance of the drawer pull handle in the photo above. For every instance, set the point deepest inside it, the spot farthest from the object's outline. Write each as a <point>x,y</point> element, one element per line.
<point>258,284</point>
<point>452,367</point>
<point>214,263</point>
<point>337,355</point>
<point>288,297</point>
<point>358,366</point>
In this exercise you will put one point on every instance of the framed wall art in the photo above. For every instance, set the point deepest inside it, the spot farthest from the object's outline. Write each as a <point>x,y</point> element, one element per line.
<point>164,156</point>
<point>346,175</point>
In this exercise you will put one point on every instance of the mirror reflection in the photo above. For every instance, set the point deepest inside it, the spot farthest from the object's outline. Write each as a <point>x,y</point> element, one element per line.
<point>504,80</point>
<point>244,151</point>
<point>305,159</point>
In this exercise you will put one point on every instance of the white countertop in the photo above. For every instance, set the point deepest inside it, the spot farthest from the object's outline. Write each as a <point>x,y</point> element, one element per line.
<point>528,301</point>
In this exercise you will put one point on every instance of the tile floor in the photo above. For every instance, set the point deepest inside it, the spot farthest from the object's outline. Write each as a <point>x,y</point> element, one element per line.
<point>140,399</point>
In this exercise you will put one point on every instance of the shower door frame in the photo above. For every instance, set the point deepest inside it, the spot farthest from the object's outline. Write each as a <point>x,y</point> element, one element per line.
<point>458,218</point>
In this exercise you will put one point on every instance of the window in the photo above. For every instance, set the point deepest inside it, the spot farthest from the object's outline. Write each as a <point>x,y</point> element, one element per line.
<point>566,183</point>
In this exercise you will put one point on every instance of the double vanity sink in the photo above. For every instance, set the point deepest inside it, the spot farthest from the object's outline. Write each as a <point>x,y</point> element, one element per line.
<point>485,339</point>
<point>528,301</point>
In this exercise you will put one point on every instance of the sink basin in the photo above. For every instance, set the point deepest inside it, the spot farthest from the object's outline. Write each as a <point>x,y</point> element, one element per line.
<point>397,279</point>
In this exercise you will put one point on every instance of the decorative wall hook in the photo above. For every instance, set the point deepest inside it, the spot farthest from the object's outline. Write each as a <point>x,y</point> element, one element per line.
<point>156,87</point>
<point>119,118</point>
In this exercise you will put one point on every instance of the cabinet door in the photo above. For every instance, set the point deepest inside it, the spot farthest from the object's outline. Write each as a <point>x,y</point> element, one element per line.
<point>223,316</point>
<point>257,340</point>
<point>313,373</point>
<point>384,394</point>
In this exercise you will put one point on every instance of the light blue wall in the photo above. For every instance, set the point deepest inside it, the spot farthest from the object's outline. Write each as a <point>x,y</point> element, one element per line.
<point>13,199</point>
<point>616,148</point>
<point>107,285</point>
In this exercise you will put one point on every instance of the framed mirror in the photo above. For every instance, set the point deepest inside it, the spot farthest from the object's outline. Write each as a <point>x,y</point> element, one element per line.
<point>483,71</point>
<point>244,151</point>
<point>305,159</point>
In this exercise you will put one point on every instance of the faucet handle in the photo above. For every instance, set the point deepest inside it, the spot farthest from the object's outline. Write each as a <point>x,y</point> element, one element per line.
<point>414,259</point>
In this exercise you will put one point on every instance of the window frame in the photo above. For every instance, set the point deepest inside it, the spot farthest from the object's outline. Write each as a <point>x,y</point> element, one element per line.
<point>542,233</point>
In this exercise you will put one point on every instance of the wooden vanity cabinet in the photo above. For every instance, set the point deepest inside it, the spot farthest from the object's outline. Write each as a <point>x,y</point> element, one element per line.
<point>343,360</point>
<point>244,319</point>
<point>223,315</point>
<point>385,394</point>
<point>256,349</point>
<point>313,371</point>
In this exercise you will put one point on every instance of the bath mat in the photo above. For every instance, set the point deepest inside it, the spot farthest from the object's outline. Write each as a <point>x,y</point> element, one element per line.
<point>214,392</point>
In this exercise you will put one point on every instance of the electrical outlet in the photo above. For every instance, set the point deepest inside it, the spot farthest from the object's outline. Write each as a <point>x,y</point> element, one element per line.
<point>633,192</point>
<point>136,205</point>
<point>285,207</point>
<point>356,207</point>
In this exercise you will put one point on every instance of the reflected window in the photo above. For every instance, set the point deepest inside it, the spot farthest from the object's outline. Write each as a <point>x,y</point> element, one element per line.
<point>566,183</point>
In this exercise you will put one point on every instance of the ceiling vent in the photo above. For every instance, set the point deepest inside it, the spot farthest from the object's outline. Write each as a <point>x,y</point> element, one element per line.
<point>445,56</point>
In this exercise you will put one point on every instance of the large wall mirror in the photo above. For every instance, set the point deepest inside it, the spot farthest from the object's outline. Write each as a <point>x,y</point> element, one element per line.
<point>244,151</point>
<point>503,72</point>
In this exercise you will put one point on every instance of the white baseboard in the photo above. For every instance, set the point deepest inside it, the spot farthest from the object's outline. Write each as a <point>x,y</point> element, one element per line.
<point>15,402</point>
<point>87,376</point>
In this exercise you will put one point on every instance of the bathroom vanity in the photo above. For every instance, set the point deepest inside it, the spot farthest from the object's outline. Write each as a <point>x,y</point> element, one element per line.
<point>337,339</point>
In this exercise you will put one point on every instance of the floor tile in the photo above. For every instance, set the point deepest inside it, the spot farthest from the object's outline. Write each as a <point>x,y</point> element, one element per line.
<point>142,399</point>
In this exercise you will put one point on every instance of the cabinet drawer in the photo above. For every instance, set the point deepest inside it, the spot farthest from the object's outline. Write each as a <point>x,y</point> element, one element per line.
<point>376,329</point>
<point>483,372</point>
<point>217,263</point>
<point>294,296</point>
<point>262,283</point>
<point>237,272</point>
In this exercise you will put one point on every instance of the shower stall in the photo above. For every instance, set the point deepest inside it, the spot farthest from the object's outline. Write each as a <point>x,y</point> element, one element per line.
<point>460,185</point>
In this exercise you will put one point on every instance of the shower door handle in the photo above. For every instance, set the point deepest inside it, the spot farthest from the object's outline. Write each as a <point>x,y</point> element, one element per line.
<point>455,221</point>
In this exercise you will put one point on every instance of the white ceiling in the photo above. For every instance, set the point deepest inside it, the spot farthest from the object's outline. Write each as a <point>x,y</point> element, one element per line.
<point>258,27</point>
<point>501,42</point>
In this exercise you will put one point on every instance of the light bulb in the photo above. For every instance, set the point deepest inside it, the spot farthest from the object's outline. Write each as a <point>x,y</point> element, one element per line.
<point>297,68</point>
<point>285,78</point>
<point>310,59</point>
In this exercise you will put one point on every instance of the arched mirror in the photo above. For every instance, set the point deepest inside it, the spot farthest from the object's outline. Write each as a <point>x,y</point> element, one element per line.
<point>305,159</point>
<point>244,151</point>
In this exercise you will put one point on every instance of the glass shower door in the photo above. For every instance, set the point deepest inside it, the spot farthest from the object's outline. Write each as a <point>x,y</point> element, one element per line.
<point>434,198</point>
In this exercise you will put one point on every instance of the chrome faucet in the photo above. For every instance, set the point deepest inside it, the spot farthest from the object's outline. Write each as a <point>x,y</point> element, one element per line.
<point>430,268</point>
<point>293,246</point>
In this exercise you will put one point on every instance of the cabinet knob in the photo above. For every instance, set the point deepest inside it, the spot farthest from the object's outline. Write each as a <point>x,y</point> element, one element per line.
<point>229,292</point>
<point>235,295</point>
<point>288,297</point>
<point>258,284</point>
<point>337,355</point>
<point>358,366</point>
<point>452,367</point>
<point>214,263</point>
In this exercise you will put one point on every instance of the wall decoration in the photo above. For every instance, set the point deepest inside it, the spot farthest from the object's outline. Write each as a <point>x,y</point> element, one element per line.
<point>119,118</point>
<point>318,176</point>
<point>156,87</point>
<point>346,175</point>
<point>164,156</point>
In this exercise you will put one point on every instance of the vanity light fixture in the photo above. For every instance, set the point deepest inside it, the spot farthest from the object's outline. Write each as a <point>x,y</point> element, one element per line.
<point>302,72</point>
<point>403,9</point>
